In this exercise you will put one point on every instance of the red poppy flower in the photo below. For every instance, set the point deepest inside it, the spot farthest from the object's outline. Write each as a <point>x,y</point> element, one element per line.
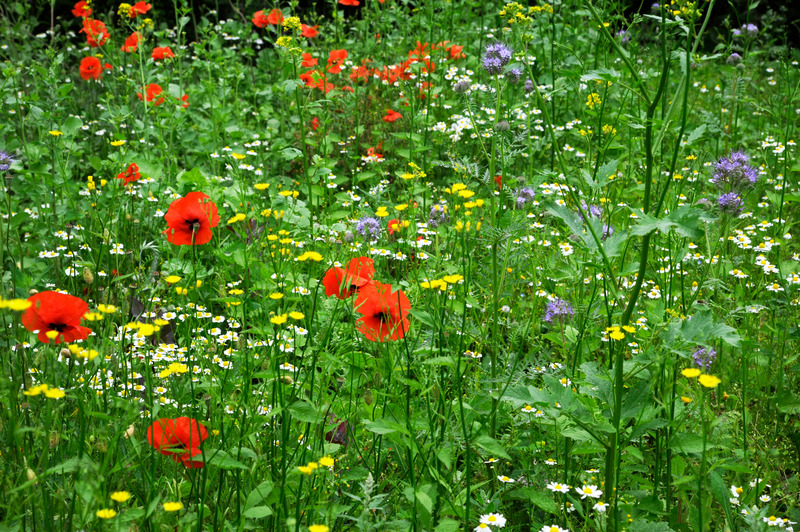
<point>275,17</point>
<point>393,226</point>
<point>317,80</point>
<point>82,9</point>
<point>309,32</point>
<point>343,283</point>
<point>190,220</point>
<point>260,19</point>
<point>162,52</point>
<point>349,2</point>
<point>308,61</point>
<point>336,60</point>
<point>91,68</point>
<point>185,100</point>
<point>139,8</point>
<point>375,151</point>
<point>131,174</point>
<point>498,179</point>
<point>384,313</point>
<point>179,439</point>
<point>131,43</point>
<point>315,123</point>
<point>96,32</point>
<point>391,116</point>
<point>54,311</point>
<point>152,91</point>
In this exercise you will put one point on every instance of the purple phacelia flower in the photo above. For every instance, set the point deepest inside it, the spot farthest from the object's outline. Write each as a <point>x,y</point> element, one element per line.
<point>734,58</point>
<point>496,57</point>
<point>369,227</point>
<point>558,310</point>
<point>703,357</point>
<point>5,161</point>
<point>514,75</point>
<point>734,172</point>
<point>524,195</point>
<point>438,215</point>
<point>730,203</point>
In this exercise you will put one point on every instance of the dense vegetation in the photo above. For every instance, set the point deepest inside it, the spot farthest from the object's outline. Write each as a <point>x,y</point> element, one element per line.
<point>446,266</point>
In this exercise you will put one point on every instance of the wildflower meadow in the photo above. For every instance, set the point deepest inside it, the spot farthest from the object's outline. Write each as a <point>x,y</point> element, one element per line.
<point>386,265</point>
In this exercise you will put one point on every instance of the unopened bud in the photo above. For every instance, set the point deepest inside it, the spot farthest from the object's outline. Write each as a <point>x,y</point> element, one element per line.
<point>461,87</point>
<point>31,475</point>
<point>88,276</point>
<point>368,397</point>
<point>65,353</point>
<point>286,379</point>
<point>54,439</point>
<point>129,431</point>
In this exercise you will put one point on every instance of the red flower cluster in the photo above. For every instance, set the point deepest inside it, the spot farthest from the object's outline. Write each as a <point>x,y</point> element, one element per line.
<point>96,32</point>
<point>383,312</point>
<point>392,116</point>
<point>162,52</point>
<point>190,220</point>
<point>54,311</point>
<point>82,9</point>
<point>274,18</point>
<point>131,43</point>
<point>91,68</point>
<point>131,174</point>
<point>153,90</point>
<point>179,439</point>
<point>309,32</point>
<point>316,79</point>
<point>139,8</point>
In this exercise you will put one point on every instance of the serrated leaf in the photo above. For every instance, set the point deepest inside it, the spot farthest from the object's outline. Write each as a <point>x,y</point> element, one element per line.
<point>696,134</point>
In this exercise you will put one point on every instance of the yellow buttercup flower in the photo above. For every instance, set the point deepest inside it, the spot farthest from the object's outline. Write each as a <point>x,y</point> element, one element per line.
<point>173,506</point>
<point>691,373</point>
<point>709,381</point>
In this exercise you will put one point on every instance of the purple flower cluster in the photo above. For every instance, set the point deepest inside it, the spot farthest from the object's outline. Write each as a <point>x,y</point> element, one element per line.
<point>514,75</point>
<point>496,57</point>
<point>437,216</point>
<point>733,176</point>
<point>623,35</point>
<point>5,161</point>
<point>524,195</point>
<point>558,310</point>
<point>735,172</point>
<point>750,30</point>
<point>703,357</point>
<point>369,227</point>
<point>730,203</point>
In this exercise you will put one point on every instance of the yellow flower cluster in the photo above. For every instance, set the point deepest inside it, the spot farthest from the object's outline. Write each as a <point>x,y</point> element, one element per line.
<point>309,255</point>
<point>325,461</point>
<point>416,171</point>
<point>15,304</point>
<point>442,283</point>
<point>176,368</point>
<point>52,393</point>
<point>124,10</point>
<point>592,100</point>
<point>283,42</point>
<point>292,23</point>
<point>615,332</point>
<point>707,381</point>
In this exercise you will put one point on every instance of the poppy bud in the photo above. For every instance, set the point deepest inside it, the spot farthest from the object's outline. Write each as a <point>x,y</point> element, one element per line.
<point>129,431</point>
<point>101,446</point>
<point>54,439</point>
<point>31,475</point>
<point>33,291</point>
<point>88,277</point>
<point>287,379</point>
<point>368,397</point>
<point>503,125</point>
<point>65,353</point>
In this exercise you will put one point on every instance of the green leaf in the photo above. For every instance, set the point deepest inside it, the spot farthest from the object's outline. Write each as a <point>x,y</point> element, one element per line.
<point>538,497</point>
<point>257,512</point>
<point>688,443</point>
<point>71,125</point>
<point>696,134</point>
<point>304,411</point>
<point>648,526</point>
<point>447,525</point>
<point>383,426</point>
<point>223,460</point>
<point>491,446</point>
<point>721,493</point>
<point>702,329</point>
